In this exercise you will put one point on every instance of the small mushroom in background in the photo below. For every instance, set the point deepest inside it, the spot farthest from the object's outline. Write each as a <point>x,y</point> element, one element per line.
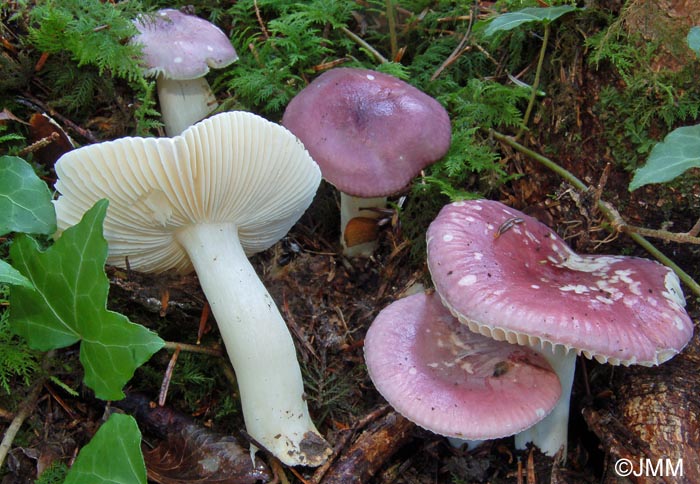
<point>179,49</point>
<point>228,187</point>
<point>510,277</point>
<point>451,381</point>
<point>370,133</point>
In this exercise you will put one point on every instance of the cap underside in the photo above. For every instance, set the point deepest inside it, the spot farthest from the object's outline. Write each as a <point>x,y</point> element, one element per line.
<point>234,167</point>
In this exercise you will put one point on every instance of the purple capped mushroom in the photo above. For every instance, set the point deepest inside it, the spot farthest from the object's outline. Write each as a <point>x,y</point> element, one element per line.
<point>370,133</point>
<point>451,381</point>
<point>510,277</point>
<point>179,49</point>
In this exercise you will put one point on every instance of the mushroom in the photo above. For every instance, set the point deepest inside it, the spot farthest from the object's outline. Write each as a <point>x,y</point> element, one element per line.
<point>510,277</point>
<point>179,49</point>
<point>451,381</point>
<point>228,187</point>
<point>370,133</point>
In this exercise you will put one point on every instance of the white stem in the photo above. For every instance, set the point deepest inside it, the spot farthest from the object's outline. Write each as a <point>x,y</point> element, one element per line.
<point>258,343</point>
<point>183,103</point>
<point>351,207</point>
<point>550,434</point>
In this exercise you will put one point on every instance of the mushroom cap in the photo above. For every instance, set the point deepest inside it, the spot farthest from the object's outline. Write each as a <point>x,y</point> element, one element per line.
<point>370,132</point>
<point>527,286</point>
<point>234,167</point>
<point>451,381</point>
<point>181,46</point>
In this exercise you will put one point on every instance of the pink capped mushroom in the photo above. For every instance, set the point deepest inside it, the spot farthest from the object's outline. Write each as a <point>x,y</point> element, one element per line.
<point>179,49</point>
<point>451,381</point>
<point>370,133</point>
<point>510,277</point>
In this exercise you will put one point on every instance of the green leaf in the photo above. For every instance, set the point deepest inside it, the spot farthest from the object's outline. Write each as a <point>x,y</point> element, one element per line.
<point>511,20</point>
<point>25,200</point>
<point>694,39</point>
<point>69,305</point>
<point>10,275</point>
<point>678,152</point>
<point>113,456</point>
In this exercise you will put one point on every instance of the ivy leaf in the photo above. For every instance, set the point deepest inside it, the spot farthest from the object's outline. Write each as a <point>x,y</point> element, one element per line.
<point>511,20</point>
<point>25,200</point>
<point>69,305</point>
<point>694,39</point>
<point>113,456</point>
<point>10,275</point>
<point>678,152</point>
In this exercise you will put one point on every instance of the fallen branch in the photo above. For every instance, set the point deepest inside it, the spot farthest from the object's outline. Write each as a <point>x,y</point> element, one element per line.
<point>369,451</point>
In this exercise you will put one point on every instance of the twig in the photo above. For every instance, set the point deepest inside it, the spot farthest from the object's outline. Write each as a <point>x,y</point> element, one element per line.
<point>459,50</point>
<point>25,410</point>
<point>619,224</point>
<point>359,40</point>
<point>266,34</point>
<point>602,206</point>
<point>207,350</point>
<point>165,385</point>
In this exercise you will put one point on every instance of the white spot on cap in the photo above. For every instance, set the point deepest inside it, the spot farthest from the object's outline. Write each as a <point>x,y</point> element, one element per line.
<point>370,77</point>
<point>447,237</point>
<point>534,286</point>
<point>467,280</point>
<point>673,290</point>
<point>478,255</point>
<point>412,370</point>
<point>540,412</point>
<point>177,60</point>
<point>578,288</point>
<point>210,48</point>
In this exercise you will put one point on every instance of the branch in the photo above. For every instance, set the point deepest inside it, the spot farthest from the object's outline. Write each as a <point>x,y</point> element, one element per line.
<point>604,207</point>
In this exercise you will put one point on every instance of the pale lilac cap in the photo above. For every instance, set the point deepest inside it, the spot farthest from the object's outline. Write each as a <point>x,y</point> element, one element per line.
<point>451,381</point>
<point>370,132</point>
<point>509,276</point>
<point>181,46</point>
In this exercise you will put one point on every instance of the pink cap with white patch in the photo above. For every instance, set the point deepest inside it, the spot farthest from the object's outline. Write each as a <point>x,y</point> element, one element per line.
<point>182,46</point>
<point>509,276</point>
<point>451,381</point>
<point>370,132</point>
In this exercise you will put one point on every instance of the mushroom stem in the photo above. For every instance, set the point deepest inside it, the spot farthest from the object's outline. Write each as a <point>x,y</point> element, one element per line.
<point>550,434</point>
<point>352,207</point>
<point>183,103</point>
<point>258,343</point>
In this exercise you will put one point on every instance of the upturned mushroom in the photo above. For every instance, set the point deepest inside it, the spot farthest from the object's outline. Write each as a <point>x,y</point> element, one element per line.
<point>510,277</point>
<point>228,187</point>
<point>179,49</point>
<point>445,378</point>
<point>370,133</point>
